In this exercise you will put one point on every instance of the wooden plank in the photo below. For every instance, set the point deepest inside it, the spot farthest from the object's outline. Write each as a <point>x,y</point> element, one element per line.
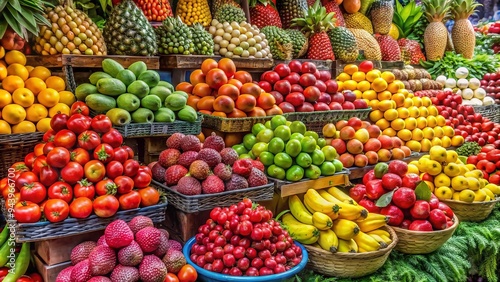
<point>320,183</point>
<point>246,8</point>
<point>387,65</point>
<point>252,63</point>
<point>168,62</point>
<point>183,225</point>
<point>54,61</point>
<point>49,272</point>
<point>82,61</point>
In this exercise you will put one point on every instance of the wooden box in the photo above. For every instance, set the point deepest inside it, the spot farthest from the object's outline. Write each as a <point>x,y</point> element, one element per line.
<point>182,226</point>
<point>49,272</point>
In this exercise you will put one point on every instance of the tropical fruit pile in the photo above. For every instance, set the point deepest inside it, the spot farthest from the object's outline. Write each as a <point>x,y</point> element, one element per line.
<point>492,86</point>
<point>192,12</point>
<point>81,169</point>
<point>175,37</point>
<point>289,151</point>
<point>156,10</point>
<point>471,89</point>
<point>333,221</point>
<point>29,96</point>
<point>488,161</point>
<point>133,251</point>
<point>135,94</point>
<point>244,240</point>
<point>193,168</point>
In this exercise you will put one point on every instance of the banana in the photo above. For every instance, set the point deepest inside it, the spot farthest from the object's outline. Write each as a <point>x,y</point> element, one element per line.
<point>380,240</point>
<point>310,241</point>
<point>347,211</point>
<point>321,221</point>
<point>361,250</point>
<point>366,242</point>
<point>299,211</point>
<point>380,232</point>
<point>373,221</point>
<point>298,230</point>
<point>328,240</point>
<point>345,229</point>
<point>348,246</point>
<point>314,200</point>
<point>339,194</point>
<point>316,245</point>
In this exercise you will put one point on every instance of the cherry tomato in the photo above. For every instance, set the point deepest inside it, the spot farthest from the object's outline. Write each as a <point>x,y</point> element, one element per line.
<point>171,278</point>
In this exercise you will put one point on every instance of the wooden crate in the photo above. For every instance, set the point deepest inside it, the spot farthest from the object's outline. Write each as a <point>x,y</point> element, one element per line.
<point>153,146</point>
<point>182,226</point>
<point>56,251</point>
<point>49,272</point>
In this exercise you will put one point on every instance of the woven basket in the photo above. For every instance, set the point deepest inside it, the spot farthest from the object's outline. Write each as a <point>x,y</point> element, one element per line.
<point>193,204</point>
<point>232,124</point>
<point>160,128</point>
<point>475,211</point>
<point>491,111</point>
<point>315,121</point>
<point>14,147</point>
<point>420,242</point>
<point>351,265</point>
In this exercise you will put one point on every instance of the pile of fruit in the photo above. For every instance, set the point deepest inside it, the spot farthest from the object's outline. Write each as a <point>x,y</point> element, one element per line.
<point>493,27</point>
<point>491,83</point>
<point>80,169</point>
<point>29,96</point>
<point>244,240</point>
<point>333,221</point>
<point>192,12</point>
<point>488,161</point>
<point>175,37</point>
<point>130,251</point>
<point>301,87</point>
<point>192,168</point>
<point>288,151</point>
<point>471,90</point>
<point>360,143</point>
<point>407,202</point>
<point>135,94</point>
<point>415,79</point>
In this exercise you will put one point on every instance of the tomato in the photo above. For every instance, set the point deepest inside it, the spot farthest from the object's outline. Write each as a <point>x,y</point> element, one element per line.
<point>145,169</point>
<point>88,140</point>
<point>33,192</point>
<point>187,274</point>
<point>72,172</point>
<point>59,157</point>
<point>56,210</point>
<point>80,108</point>
<point>130,201</point>
<point>61,190</point>
<point>121,154</point>
<point>49,135</point>
<point>4,271</point>
<point>12,201</point>
<point>106,205</point>
<point>131,167</point>
<point>142,179</point>
<point>38,150</point>
<point>114,169</point>
<point>104,152</point>
<point>94,171</point>
<point>24,278</point>
<point>29,159</point>
<point>36,277</point>
<point>105,187</point>
<point>80,156</point>
<point>125,184</point>
<point>78,123</point>
<point>27,212</point>
<point>149,196</point>
<point>101,123</point>
<point>38,163</point>
<point>65,138</point>
<point>113,138</point>
<point>58,122</point>
<point>171,278</point>
<point>80,207</point>
<point>129,150</point>
<point>20,166</point>
<point>84,188</point>
<point>26,177</point>
<point>49,146</point>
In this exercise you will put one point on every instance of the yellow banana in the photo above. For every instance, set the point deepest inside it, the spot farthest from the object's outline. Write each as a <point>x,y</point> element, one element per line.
<point>380,240</point>
<point>298,230</point>
<point>314,200</point>
<point>308,208</point>
<point>345,229</point>
<point>366,242</point>
<point>361,250</point>
<point>309,241</point>
<point>373,221</point>
<point>347,246</point>
<point>328,240</point>
<point>321,221</point>
<point>346,211</point>
<point>380,232</point>
<point>339,194</point>
<point>298,210</point>
<point>316,245</point>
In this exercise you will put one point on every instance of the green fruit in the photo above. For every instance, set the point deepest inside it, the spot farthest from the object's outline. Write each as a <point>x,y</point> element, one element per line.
<point>126,76</point>
<point>166,84</point>
<point>304,160</point>
<point>245,156</point>
<point>283,132</point>
<point>266,158</point>
<point>258,148</point>
<point>329,152</point>
<point>294,173</point>
<point>298,127</point>
<point>111,86</point>
<point>240,149</point>
<point>276,172</point>
<point>293,147</point>
<point>321,142</point>
<point>318,157</point>
<point>164,115</point>
<point>252,156</point>
<point>380,169</point>
<point>187,114</point>
<point>297,136</point>
<point>277,121</point>
<point>312,134</point>
<point>308,144</point>
<point>268,124</point>
<point>128,102</point>
<point>327,169</point>
<point>175,102</point>
<point>182,93</point>
<point>138,68</point>
<point>151,102</point>
<point>283,160</point>
<point>111,67</point>
<point>265,135</point>
<point>313,172</point>
<point>160,91</point>
<point>118,116</point>
<point>258,127</point>
<point>143,115</point>
<point>83,90</point>
<point>150,77</point>
<point>139,88</point>
<point>95,76</point>
<point>338,165</point>
<point>276,145</point>
<point>249,140</point>
<point>100,103</point>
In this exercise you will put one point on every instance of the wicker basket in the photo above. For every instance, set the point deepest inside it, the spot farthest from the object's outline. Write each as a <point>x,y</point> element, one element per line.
<point>232,124</point>
<point>192,204</point>
<point>315,121</point>
<point>132,130</point>
<point>14,147</point>
<point>419,242</point>
<point>491,111</point>
<point>475,211</point>
<point>351,265</point>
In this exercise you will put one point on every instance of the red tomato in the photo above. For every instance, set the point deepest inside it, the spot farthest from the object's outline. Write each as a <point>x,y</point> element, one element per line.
<point>125,184</point>
<point>61,190</point>
<point>80,207</point>
<point>171,278</point>
<point>78,123</point>
<point>113,138</point>
<point>39,162</point>
<point>131,167</point>
<point>105,187</point>
<point>27,212</point>
<point>38,150</point>
<point>149,196</point>
<point>84,188</point>
<point>12,202</point>
<point>72,172</point>
<point>25,178</point>
<point>58,157</point>
<point>129,201</point>
<point>142,179</point>
<point>94,171</point>
<point>80,108</point>
<point>80,156</point>
<point>187,274</point>
<point>58,122</point>
<point>104,152</point>
<point>29,159</point>
<point>114,169</point>
<point>88,140</point>
<point>129,150</point>
<point>56,210</point>
<point>106,205</point>
<point>24,278</point>
<point>49,146</point>
<point>146,169</point>
<point>65,138</point>
<point>101,123</point>
<point>20,166</point>
<point>121,154</point>
<point>49,135</point>
<point>34,192</point>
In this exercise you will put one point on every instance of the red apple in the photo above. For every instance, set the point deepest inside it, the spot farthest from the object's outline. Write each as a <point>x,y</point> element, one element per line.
<point>282,69</point>
<point>286,107</point>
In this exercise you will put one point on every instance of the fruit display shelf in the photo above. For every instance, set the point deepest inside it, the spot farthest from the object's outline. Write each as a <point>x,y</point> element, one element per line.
<point>359,172</point>
<point>288,188</point>
<point>140,130</point>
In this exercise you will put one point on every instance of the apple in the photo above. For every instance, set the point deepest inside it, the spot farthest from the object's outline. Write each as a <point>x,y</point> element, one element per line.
<point>360,104</point>
<point>391,181</point>
<point>433,202</point>
<point>348,106</point>
<point>277,96</point>
<point>334,106</point>
<point>286,107</point>
<point>270,76</point>
<point>295,98</point>
<point>374,189</point>
<point>405,224</point>
<point>349,96</point>
<point>410,180</point>
<point>325,98</point>
<point>331,86</point>
<point>404,197</point>
<point>369,205</point>
<point>339,146</point>
<point>365,66</point>
<point>293,78</point>
<point>306,107</point>
<point>283,86</point>
<point>398,167</point>
<point>320,84</point>
<point>317,75</point>
<point>308,67</point>
<point>295,66</point>
<point>338,97</point>
<point>266,86</point>
<point>370,175</point>
<point>420,210</point>
<point>307,79</point>
<point>320,106</point>
<point>311,94</point>
<point>358,192</point>
<point>394,213</point>
<point>325,75</point>
<point>420,225</point>
<point>355,123</point>
<point>297,88</point>
<point>282,69</point>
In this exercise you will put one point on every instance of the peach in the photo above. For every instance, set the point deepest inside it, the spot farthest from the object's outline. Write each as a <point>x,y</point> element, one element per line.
<point>329,130</point>
<point>406,150</point>
<point>373,144</point>
<point>398,154</point>
<point>360,160</point>
<point>355,122</point>
<point>374,131</point>
<point>347,133</point>
<point>340,124</point>
<point>372,157</point>
<point>347,160</point>
<point>386,141</point>
<point>384,155</point>
<point>339,145</point>
<point>355,146</point>
<point>397,142</point>
<point>366,124</point>
<point>362,135</point>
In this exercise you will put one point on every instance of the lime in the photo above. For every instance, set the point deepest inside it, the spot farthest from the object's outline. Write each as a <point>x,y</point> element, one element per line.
<point>288,123</point>
<point>283,160</point>
<point>294,173</point>
<point>256,128</point>
<point>338,165</point>
<point>268,124</point>
<point>297,136</point>
<point>312,134</point>
<point>327,168</point>
<point>249,140</point>
<point>283,132</point>
<point>277,121</point>
<point>240,149</point>
<point>276,172</point>
<point>265,135</point>
<point>293,147</point>
<point>266,158</point>
<point>317,157</point>
<point>321,142</point>
<point>276,145</point>
<point>252,156</point>
<point>329,152</point>
<point>259,148</point>
<point>308,144</point>
<point>313,172</point>
<point>304,160</point>
<point>298,126</point>
<point>245,156</point>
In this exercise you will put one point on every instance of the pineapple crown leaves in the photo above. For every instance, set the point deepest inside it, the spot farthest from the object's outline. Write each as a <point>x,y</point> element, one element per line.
<point>23,16</point>
<point>437,10</point>
<point>462,9</point>
<point>315,20</point>
<point>406,17</point>
<point>253,3</point>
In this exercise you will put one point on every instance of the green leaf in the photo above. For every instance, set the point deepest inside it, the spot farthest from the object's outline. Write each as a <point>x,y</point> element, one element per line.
<point>2,5</point>
<point>385,199</point>
<point>16,5</point>
<point>27,25</point>
<point>3,26</point>
<point>406,12</point>
<point>422,191</point>
<point>14,24</point>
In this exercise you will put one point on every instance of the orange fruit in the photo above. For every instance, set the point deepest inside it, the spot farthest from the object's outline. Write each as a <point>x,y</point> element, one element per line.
<point>15,57</point>
<point>358,76</point>
<point>363,86</point>
<point>379,84</point>
<point>40,72</point>
<point>394,87</point>
<point>376,115</point>
<point>67,98</point>
<point>391,114</point>
<point>3,72</point>
<point>2,52</point>
<point>399,99</point>
<point>384,96</point>
<point>383,123</point>
<point>340,86</point>
<point>48,97</point>
<point>369,94</point>
<point>5,98</point>
<point>55,82</point>
<point>388,76</point>
<point>12,82</point>
<point>23,97</point>
<point>389,132</point>
<point>29,68</point>
<point>24,127</point>
<point>343,77</point>
<point>372,75</point>
<point>36,112</point>
<point>13,113</point>
<point>350,69</point>
<point>19,70</point>
<point>59,108</point>
<point>5,127</point>
<point>43,125</point>
<point>35,84</point>
<point>350,85</point>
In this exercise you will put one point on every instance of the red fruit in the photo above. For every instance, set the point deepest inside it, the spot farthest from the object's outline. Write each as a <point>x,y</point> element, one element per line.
<point>369,205</point>
<point>283,86</point>
<point>357,192</point>
<point>307,79</point>
<point>433,202</point>
<point>410,180</point>
<point>391,181</point>
<point>295,66</point>
<point>420,210</point>
<point>438,219</point>
<point>395,215</point>
<point>311,94</point>
<point>420,225</point>
<point>405,224</point>
<point>365,66</point>
<point>282,70</point>
<point>447,210</point>
<point>308,67</point>
<point>404,197</point>
<point>370,175</point>
<point>398,167</point>
<point>374,189</point>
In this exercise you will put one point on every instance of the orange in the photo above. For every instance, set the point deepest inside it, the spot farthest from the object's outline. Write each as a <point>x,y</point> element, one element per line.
<point>358,94</point>
<point>372,75</point>
<point>417,101</point>
<point>379,84</point>
<point>36,112</point>
<point>43,125</point>
<point>399,99</point>
<point>15,57</point>
<point>3,72</point>
<point>5,127</point>
<point>23,97</point>
<point>376,115</point>
<point>19,70</point>
<point>358,76</point>
<point>404,134</point>
<point>363,86</point>
<point>5,98</point>
<point>350,69</point>
<point>67,98</point>
<point>389,132</point>
<point>388,76</point>
<point>24,127</point>
<point>394,87</point>
<point>59,108</point>
<point>40,72</point>
<point>48,97</point>
<point>398,124</point>
<point>55,82</point>
<point>370,95</point>
<point>35,84</point>
<point>2,52</point>
<point>385,105</point>
<point>13,113</point>
<point>403,112</point>
<point>340,86</point>
<point>384,96</point>
<point>391,114</point>
<point>350,85</point>
<point>12,82</point>
<point>374,104</point>
<point>343,77</point>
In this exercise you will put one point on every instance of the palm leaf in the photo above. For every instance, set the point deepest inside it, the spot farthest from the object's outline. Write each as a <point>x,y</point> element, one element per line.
<point>31,27</point>
<point>16,5</point>
<point>3,26</point>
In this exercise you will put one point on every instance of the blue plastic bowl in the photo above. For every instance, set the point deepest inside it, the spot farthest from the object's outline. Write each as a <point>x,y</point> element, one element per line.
<point>209,276</point>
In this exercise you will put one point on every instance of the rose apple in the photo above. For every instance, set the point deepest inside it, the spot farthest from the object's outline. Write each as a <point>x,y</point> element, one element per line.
<point>394,213</point>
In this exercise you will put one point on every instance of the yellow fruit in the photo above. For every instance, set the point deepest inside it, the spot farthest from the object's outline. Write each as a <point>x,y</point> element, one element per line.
<point>428,133</point>
<point>467,196</point>
<point>35,84</point>
<point>384,95</point>
<point>441,121</point>
<point>383,124</point>
<point>48,97</point>
<point>59,108</point>
<point>12,82</point>
<point>414,112</point>
<point>24,127</point>
<point>358,76</point>
<point>376,115</point>
<point>5,98</point>
<point>417,101</point>
<point>369,94</point>
<point>448,131</point>
<point>2,52</point>
<point>15,57</point>
<point>374,104</point>
<point>459,183</point>
<point>417,134</point>
<point>413,169</point>
<point>394,32</point>
<point>67,98</point>
<point>431,121</point>
<point>473,183</point>
<point>363,86</point>
<point>36,112</point>
<point>343,77</point>
<point>5,127</point>
<point>340,85</point>
<point>408,103</point>
<point>398,124</point>
<point>23,97</point>
<point>395,86</point>
<point>345,229</point>
<point>432,110</point>
<point>495,189</point>
<point>415,146</point>
<point>443,193</point>
<point>389,132</point>
<point>19,70</point>
<point>43,125</point>
<point>488,193</point>
<point>56,83</point>
<point>3,72</point>
<point>350,69</point>
<point>451,169</point>
<point>372,75</point>
<point>442,180</point>
<point>29,68</point>
<point>457,141</point>
<point>350,85</point>
<point>426,145</point>
<point>299,211</point>
<point>385,105</point>
<point>410,123</point>
<point>426,101</point>
<point>388,76</point>
<point>438,131</point>
<point>379,84</point>
<point>403,113</point>
<point>422,123</point>
<point>358,93</point>
<point>391,114</point>
<point>13,113</point>
<point>446,141</point>
<point>40,72</point>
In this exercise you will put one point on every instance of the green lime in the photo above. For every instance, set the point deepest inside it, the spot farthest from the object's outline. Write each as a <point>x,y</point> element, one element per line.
<point>268,124</point>
<point>329,152</point>
<point>276,145</point>
<point>298,126</point>
<point>293,147</point>
<point>276,172</point>
<point>312,134</point>
<point>266,158</point>
<point>327,168</point>
<point>245,156</point>
<point>313,172</point>
<point>304,160</point>
<point>321,142</point>
<point>240,149</point>
<point>265,135</point>
<point>317,157</point>
<point>288,123</point>
<point>338,165</point>
<point>283,160</point>
<point>249,140</point>
<point>256,128</point>
<point>283,132</point>
<point>252,156</point>
<point>308,144</point>
<point>294,173</point>
<point>259,148</point>
<point>277,121</point>
<point>297,136</point>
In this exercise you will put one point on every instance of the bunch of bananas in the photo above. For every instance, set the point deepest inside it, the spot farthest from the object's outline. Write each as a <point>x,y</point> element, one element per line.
<point>331,220</point>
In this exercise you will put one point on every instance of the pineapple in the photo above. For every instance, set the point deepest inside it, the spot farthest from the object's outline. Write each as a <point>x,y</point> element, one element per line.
<point>229,13</point>
<point>343,44</point>
<point>436,34</point>
<point>299,42</point>
<point>263,13</point>
<point>27,9</point>
<point>217,4</point>
<point>367,43</point>
<point>381,15</point>
<point>331,6</point>
<point>192,12</point>
<point>279,42</point>
<point>389,48</point>
<point>202,39</point>
<point>412,49</point>
<point>174,37</point>
<point>128,32</point>
<point>463,35</point>
<point>316,23</point>
<point>153,14</point>
<point>291,9</point>
<point>358,21</point>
